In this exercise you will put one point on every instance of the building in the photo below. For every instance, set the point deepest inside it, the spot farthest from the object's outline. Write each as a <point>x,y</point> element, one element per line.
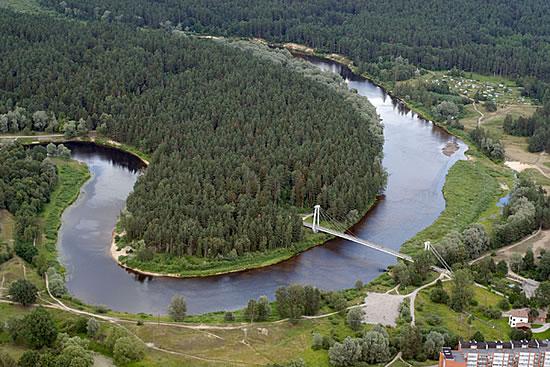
<point>523,353</point>
<point>519,318</point>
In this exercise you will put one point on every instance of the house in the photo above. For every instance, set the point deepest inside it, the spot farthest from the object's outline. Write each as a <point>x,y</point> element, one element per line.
<point>519,318</point>
<point>520,353</point>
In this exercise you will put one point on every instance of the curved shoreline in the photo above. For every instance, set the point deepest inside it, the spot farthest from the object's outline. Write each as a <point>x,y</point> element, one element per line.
<point>297,49</point>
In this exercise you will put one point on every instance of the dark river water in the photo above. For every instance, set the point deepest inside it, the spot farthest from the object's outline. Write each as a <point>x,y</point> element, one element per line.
<point>413,200</point>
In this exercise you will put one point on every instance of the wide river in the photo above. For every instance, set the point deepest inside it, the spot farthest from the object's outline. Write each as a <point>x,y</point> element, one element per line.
<point>413,200</point>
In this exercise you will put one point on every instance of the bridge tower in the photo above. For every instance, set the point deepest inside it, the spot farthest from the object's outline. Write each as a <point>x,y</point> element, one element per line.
<point>316,215</point>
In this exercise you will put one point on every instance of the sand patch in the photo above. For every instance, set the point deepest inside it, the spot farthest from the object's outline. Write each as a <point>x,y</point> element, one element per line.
<point>382,308</point>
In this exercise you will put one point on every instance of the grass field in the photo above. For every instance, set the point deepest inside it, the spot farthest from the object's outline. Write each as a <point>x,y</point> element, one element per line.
<point>71,176</point>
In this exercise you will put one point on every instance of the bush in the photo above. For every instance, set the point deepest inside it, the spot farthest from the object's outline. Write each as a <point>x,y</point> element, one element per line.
<point>178,308</point>
<point>438,295</point>
<point>92,327</point>
<point>56,283</point>
<point>229,316</point>
<point>22,291</point>
<point>127,349</point>
<point>354,318</point>
<point>26,251</point>
<point>317,342</point>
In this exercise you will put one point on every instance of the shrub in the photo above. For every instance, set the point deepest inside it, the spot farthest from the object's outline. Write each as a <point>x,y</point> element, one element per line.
<point>229,316</point>
<point>92,327</point>
<point>355,318</point>
<point>317,342</point>
<point>26,251</point>
<point>438,295</point>
<point>40,328</point>
<point>127,349</point>
<point>22,291</point>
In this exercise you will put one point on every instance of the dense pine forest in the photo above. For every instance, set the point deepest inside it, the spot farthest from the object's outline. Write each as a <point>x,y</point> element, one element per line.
<point>497,36</point>
<point>241,136</point>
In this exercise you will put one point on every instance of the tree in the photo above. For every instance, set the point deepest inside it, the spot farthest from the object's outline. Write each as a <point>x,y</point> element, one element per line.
<point>312,300</point>
<point>355,318</point>
<point>229,316</point>
<point>478,336</point>
<point>438,295</point>
<point>490,106</point>
<point>251,311</point>
<point>41,330</point>
<point>92,327</point>
<point>40,120</point>
<point>264,308</point>
<point>26,250</point>
<point>375,347</point>
<point>433,344</point>
<point>410,341</point>
<point>345,354</point>
<point>502,268</point>
<point>528,260</point>
<point>359,284</point>
<point>56,283</point>
<point>461,291</point>
<point>51,149</point>
<point>317,341</point>
<point>475,240</point>
<point>178,308</point>
<point>69,129</point>
<point>290,301</point>
<point>22,291</point>
<point>542,294</point>
<point>127,350</point>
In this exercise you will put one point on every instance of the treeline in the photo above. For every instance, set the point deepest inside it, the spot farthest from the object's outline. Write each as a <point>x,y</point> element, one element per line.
<point>241,136</point>
<point>26,180</point>
<point>494,37</point>
<point>489,145</point>
<point>536,127</point>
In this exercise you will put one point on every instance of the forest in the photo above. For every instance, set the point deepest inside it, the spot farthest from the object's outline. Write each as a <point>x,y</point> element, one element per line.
<point>491,37</point>
<point>242,137</point>
<point>536,127</point>
<point>27,178</point>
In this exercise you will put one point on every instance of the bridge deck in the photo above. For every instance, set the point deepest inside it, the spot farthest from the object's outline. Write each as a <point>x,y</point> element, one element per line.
<point>360,241</point>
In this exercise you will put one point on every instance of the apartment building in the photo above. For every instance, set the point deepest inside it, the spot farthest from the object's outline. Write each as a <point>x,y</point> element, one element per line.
<point>521,353</point>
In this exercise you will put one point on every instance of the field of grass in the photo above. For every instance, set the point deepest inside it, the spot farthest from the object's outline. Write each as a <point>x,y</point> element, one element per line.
<point>471,191</point>
<point>71,176</point>
<point>459,323</point>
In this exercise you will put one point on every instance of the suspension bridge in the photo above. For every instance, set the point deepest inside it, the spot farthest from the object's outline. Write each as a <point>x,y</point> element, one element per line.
<point>337,229</point>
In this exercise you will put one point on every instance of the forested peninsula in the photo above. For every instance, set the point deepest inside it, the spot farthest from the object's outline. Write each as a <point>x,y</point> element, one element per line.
<point>242,137</point>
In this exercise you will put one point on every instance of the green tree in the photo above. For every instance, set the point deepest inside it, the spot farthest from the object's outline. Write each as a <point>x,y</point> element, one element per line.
<point>29,358</point>
<point>410,341</point>
<point>251,311</point>
<point>22,291</point>
<point>178,308</point>
<point>92,327</point>
<point>354,318</point>
<point>264,308</point>
<point>433,344</point>
<point>41,329</point>
<point>461,291</point>
<point>346,353</point>
<point>375,347</point>
<point>542,294</point>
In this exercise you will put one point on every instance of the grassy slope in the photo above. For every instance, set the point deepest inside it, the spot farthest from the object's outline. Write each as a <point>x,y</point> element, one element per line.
<point>71,176</point>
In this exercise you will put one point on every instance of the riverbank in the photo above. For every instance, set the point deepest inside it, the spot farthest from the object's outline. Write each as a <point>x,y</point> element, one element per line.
<point>71,175</point>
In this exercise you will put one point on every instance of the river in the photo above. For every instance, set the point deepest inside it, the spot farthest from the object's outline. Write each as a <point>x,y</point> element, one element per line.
<point>413,199</point>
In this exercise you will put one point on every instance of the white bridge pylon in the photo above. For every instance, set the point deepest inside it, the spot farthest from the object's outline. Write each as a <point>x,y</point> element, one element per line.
<point>342,232</point>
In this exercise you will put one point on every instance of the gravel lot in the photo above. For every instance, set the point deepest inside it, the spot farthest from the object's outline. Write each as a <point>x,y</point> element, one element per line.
<point>381,308</point>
